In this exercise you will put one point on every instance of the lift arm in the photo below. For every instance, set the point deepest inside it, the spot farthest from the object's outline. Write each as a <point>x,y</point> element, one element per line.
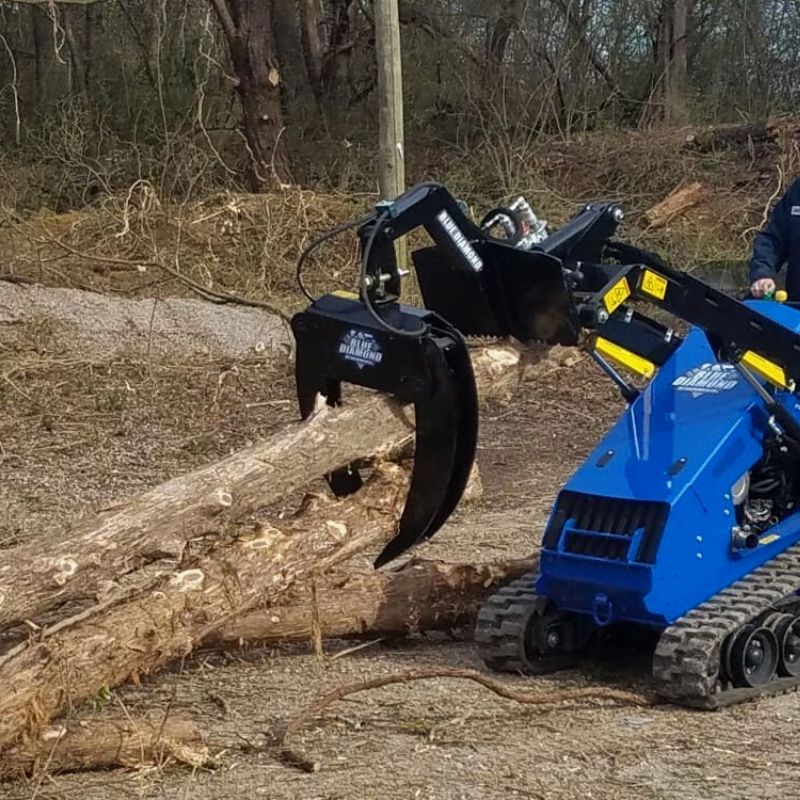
<point>484,286</point>
<point>737,333</point>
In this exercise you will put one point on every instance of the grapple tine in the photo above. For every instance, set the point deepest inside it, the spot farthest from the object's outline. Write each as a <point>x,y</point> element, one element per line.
<point>339,342</point>
<point>446,440</point>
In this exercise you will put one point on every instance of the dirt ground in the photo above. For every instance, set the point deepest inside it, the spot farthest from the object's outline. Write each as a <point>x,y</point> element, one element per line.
<point>74,436</point>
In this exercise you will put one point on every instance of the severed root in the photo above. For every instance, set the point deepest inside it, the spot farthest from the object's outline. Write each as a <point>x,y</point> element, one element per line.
<point>104,743</point>
<point>298,759</point>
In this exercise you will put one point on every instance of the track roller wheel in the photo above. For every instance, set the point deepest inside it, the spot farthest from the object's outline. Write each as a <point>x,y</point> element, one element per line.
<point>519,631</point>
<point>786,628</point>
<point>751,656</point>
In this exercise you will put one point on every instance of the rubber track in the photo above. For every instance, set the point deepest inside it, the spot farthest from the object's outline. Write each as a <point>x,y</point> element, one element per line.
<point>686,663</point>
<point>499,629</point>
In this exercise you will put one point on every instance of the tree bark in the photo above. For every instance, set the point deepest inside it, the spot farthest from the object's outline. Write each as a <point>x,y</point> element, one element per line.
<point>669,84</point>
<point>92,38</point>
<point>340,41</point>
<point>508,18</point>
<point>95,744</point>
<point>142,635</point>
<point>37,577</point>
<point>247,25</point>
<point>675,79</point>
<point>312,48</point>
<point>420,596</point>
<point>76,55</point>
<point>41,40</point>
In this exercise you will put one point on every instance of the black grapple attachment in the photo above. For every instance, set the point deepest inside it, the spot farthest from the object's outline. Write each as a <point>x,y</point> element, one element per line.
<point>339,341</point>
<point>475,284</point>
<point>372,340</point>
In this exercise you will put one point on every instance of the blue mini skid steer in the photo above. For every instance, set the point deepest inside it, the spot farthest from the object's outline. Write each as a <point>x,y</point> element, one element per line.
<point>683,522</point>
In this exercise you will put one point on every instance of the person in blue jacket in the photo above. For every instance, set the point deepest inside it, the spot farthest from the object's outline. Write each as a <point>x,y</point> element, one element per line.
<point>776,245</point>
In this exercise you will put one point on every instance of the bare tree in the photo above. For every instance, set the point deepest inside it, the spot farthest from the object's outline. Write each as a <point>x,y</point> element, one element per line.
<point>669,91</point>
<point>247,25</point>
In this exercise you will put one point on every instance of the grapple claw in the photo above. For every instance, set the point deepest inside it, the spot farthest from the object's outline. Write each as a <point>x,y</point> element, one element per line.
<point>338,341</point>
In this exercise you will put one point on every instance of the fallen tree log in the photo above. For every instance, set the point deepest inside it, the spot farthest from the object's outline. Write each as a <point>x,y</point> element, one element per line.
<point>105,743</point>
<point>38,576</point>
<point>94,327</point>
<point>141,635</point>
<point>722,136</point>
<point>420,596</point>
<point>678,201</point>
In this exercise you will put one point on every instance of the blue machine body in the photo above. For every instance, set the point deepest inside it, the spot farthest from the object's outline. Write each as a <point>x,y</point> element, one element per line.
<point>642,531</point>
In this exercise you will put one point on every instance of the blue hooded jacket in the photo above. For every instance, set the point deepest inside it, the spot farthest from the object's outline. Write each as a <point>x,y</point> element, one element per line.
<point>779,243</point>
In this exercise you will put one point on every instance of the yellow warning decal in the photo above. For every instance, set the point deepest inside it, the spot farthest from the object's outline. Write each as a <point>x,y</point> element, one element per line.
<point>345,295</point>
<point>617,295</point>
<point>625,358</point>
<point>768,370</point>
<point>654,284</point>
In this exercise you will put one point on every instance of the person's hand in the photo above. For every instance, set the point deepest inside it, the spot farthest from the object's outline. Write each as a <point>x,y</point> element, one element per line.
<point>762,286</point>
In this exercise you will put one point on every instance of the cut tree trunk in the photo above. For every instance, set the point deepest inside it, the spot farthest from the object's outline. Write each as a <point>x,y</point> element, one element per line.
<point>420,596</point>
<point>94,328</point>
<point>141,635</point>
<point>105,743</point>
<point>674,204</point>
<point>39,576</point>
<point>52,673</point>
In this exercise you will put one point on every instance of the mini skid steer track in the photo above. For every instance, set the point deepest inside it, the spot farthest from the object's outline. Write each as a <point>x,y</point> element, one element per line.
<point>684,521</point>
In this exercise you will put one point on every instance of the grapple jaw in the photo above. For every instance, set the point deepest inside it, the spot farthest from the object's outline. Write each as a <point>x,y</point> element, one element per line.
<point>527,293</point>
<point>517,293</point>
<point>339,341</point>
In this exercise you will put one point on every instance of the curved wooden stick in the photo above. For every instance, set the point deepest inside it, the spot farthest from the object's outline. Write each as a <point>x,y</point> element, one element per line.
<point>298,759</point>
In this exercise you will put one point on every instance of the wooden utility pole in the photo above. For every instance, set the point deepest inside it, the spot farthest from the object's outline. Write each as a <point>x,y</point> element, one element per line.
<point>391,156</point>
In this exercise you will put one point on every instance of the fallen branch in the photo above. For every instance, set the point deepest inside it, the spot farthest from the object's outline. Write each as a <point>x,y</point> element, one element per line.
<point>420,596</point>
<point>678,201</point>
<point>105,743</point>
<point>538,698</point>
<point>722,136</point>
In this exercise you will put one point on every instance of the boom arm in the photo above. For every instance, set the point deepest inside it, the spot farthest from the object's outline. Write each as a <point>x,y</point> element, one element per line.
<point>484,286</point>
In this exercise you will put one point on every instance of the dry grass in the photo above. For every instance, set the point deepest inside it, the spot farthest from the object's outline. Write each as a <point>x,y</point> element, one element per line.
<point>247,244</point>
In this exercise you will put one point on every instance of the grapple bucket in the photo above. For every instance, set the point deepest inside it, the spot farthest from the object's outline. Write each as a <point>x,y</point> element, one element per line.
<point>524,293</point>
<point>339,341</point>
<point>517,293</point>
